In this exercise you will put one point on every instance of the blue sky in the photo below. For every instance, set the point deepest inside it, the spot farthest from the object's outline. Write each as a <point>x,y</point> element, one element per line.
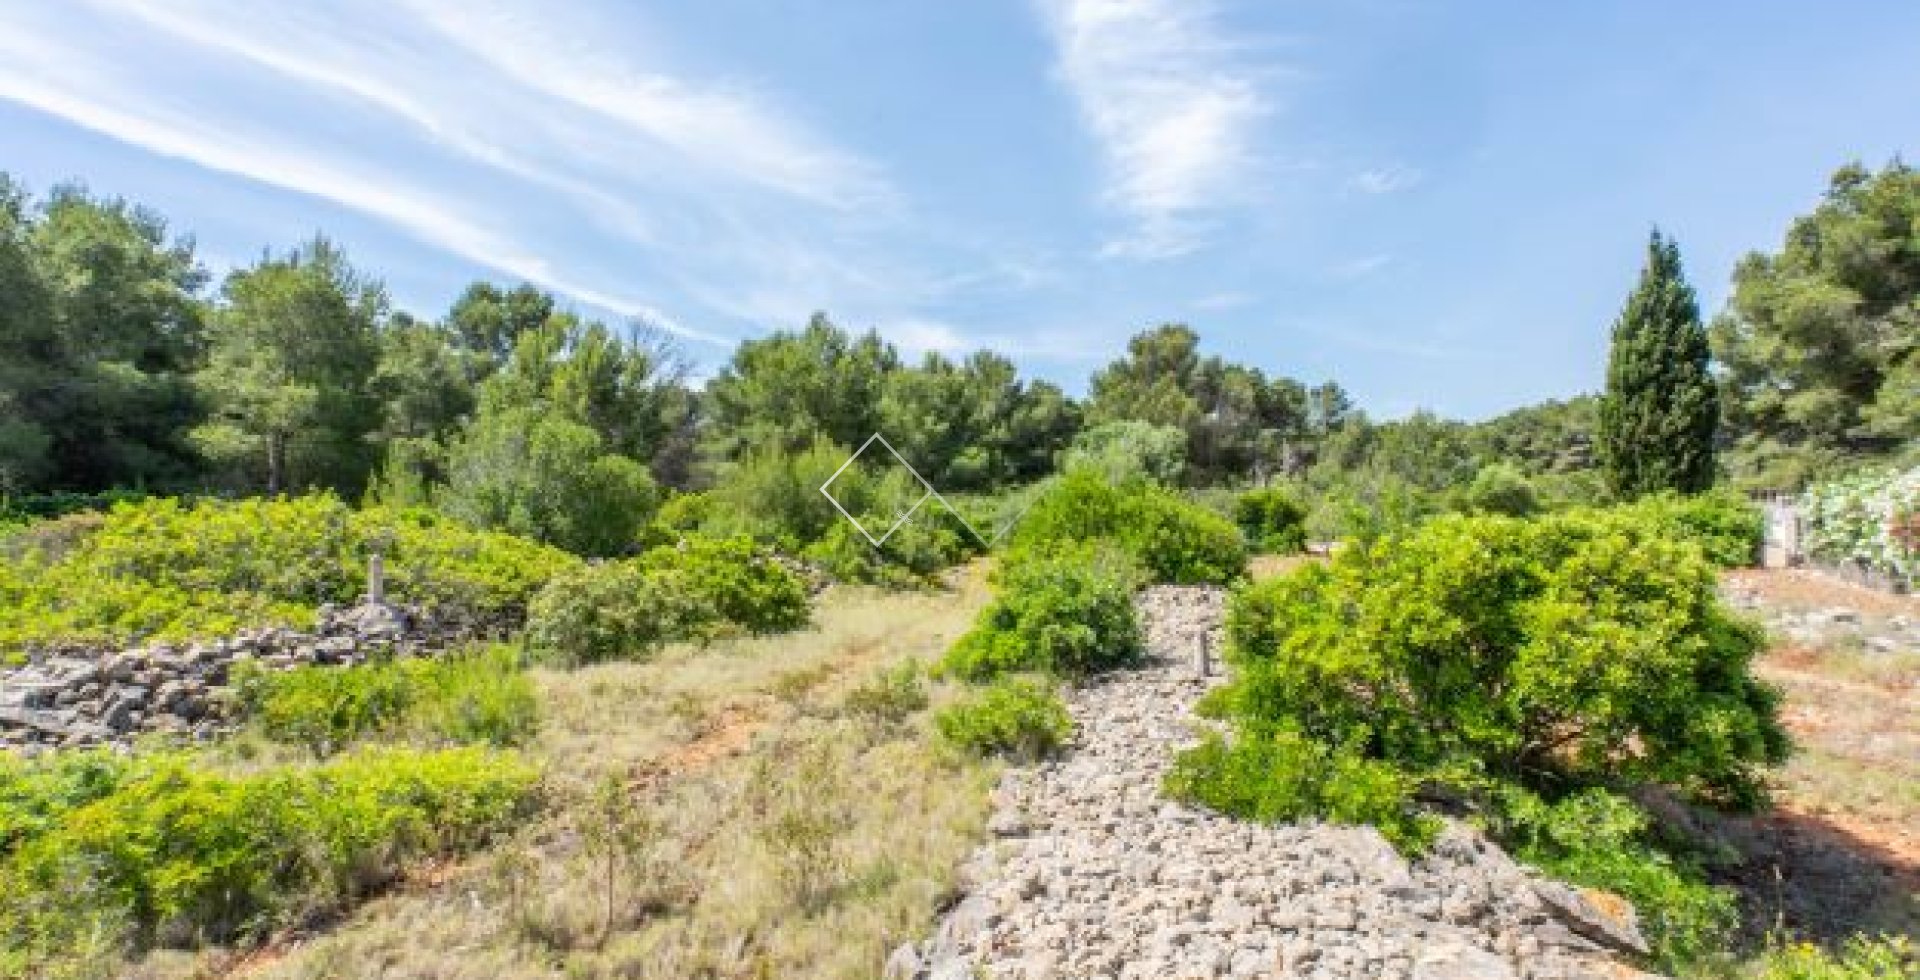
<point>1437,204</point>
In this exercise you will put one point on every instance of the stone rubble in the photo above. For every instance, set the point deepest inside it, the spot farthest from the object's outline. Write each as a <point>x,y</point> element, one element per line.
<point>1835,626</point>
<point>80,697</point>
<point>1092,873</point>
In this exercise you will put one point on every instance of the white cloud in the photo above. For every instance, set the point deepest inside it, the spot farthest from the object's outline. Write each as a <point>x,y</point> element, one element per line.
<point>727,128</point>
<point>38,72</point>
<point>1173,109</point>
<point>1231,300</point>
<point>1385,180</point>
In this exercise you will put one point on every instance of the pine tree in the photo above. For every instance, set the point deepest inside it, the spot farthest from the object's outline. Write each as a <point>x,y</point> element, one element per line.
<point>1661,406</point>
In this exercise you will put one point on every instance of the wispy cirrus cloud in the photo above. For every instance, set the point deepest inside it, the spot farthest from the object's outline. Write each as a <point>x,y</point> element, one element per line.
<point>1385,180</point>
<point>1173,106</point>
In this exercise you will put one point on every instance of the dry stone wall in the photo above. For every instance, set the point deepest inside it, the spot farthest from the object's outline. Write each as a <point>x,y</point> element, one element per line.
<point>83,697</point>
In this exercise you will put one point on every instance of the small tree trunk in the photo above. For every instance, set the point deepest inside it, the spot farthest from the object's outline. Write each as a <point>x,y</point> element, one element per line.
<point>276,461</point>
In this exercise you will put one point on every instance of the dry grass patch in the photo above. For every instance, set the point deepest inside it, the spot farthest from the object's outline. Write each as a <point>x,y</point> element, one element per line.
<point>722,812</point>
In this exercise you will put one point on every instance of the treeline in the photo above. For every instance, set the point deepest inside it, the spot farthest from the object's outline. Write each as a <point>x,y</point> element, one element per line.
<point>124,366</point>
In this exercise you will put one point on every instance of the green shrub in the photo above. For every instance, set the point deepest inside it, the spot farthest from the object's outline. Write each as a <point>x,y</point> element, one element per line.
<point>614,610</point>
<point>178,854</point>
<point>36,794</point>
<point>1726,526</point>
<point>743,586</point>
<point>1859,958</point>
<point>1174,540</point>
<point>1017,716</point>
<point>1129,449</point>
<point>1500,488</point>
<point>164,569</point>
<point>1600,840</point>
<point>1066,611</point>
<point>1277,774</point>
<point>888,697</point>
<point>1273,521</point>
<point>477,696</point>
<point>1570,648</point>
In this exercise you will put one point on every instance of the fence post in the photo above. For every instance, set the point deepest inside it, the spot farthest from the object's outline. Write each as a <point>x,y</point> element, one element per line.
<point>377,578</point>
<point>1205,664</point>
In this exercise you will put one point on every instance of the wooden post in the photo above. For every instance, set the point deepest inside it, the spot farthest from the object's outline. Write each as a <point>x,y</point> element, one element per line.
<point>1206,653</point>
<point>377,578</point>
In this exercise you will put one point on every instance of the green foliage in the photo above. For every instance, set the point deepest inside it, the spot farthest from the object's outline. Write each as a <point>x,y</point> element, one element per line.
<point>1275,773</point>
<point>1016,716</point>
<point>1726,526</point>
<point>175,853</point>
<point>742,585</point>
<point>532,472</point>
<point>164,569</point>
<point>613,610</point>
<point>1500,488</point>
<point>1600,840</point>
<point>1861,957</point>
<point>36,794</point>
<point>1129,449</point>
<point>1066,611</point>
<point>1273,520</point>
<point>480,695</point>
<point>693,590</point>
<point>1819,340</point>
<point>1530,651</point>
<point>1661,408</point>
<point>1172,539</point>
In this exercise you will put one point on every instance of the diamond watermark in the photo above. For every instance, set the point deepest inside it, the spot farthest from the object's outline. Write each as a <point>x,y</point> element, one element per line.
<point>986,541</point>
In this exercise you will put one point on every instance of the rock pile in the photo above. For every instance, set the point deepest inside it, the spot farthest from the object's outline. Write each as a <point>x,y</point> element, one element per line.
<point>1093,873</point>
<point>79,697</point>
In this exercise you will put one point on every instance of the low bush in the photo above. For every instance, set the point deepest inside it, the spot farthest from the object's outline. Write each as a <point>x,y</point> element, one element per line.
<point>1016,716</point>
<point>481,695</point>
<point>693,590</point>
<point>1277,774</point>
<point>1499,488</point>
<point>164,569</point>
<point>1273,521</point>
<point>1172,539</point>
<point>1569,649</point>
<point>1066,611</point>
<point>611,611</point>
<point>1859,958</point>
<point>180,855</point>
<point>1599,839</point>
<point>743,586</point>
<point>36,794</point>
<point>1727,527</point>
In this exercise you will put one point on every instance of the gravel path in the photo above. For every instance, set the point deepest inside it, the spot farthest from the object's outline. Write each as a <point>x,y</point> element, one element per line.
<point>1092,873</point>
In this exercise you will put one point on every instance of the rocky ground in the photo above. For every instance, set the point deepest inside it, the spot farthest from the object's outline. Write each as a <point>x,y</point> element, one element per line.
<point>1093,874</point>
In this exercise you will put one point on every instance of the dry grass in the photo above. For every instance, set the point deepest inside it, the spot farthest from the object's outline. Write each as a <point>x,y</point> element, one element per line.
<point>743,824</point>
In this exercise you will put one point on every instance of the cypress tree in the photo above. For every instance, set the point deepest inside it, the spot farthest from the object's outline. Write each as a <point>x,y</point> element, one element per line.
<point>1661,407</point>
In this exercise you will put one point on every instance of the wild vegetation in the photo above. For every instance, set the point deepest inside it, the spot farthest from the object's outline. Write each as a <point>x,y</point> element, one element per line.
<point>1519,624</point>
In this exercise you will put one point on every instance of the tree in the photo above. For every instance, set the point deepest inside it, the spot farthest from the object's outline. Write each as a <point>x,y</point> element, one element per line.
<point>488,321</point>
<point>791,389</point>
<point>531,470</point>
<point>30,351</point>
<point>289,375</point>
<point>1819,341</point>
<point>1660,409</point>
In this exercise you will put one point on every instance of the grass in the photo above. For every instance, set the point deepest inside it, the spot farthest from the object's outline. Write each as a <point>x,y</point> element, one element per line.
<point>745,809</point>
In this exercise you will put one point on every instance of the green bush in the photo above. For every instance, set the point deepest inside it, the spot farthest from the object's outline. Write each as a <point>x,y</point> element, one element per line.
<point>1129,449</point>
<point>1273,521</point>
<point>1726,526</point>
<point>178,854</point>
<point>1174,540</point>
<point>164,569</point>
<point>614,610</point>
<point>1066,611</point>
<point>36,794</point>
<point>1572,648</point>
<point>1500,488</point>
<point>744,586</point>
<point>1017,716</point>
<point>481,695</point>
<point>1277,774</point>
<point>1859,958</point>
<point>1600,840</point>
